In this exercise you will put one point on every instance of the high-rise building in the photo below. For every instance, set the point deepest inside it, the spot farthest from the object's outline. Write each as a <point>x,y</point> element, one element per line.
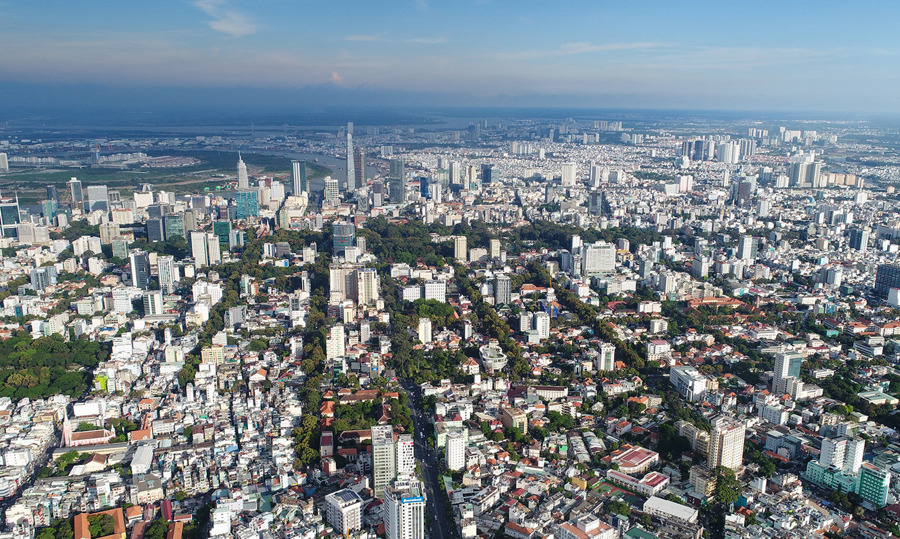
<point>298,177</point>
<point>859,239</point>
<point>344,511</point>
<point>598,258</point>
<point>606,358</point>
<point>455,173</point>
<point>502,290</point>
<point>384,463</point>
<point>4,162</point>
<point>787,367</point>
<point>569,172</point>
<point>174,223</point>
<point>456,449</point>
<point>460,252</point>
<point>140,269</point>
<point>726,443</point>
<point>243,180</point>
<point>351,165</point>
<point>495,248</point>
<point>43,277</point>
<point>487,174</point>
<point>246,203</point>
<point>332,189</point>
<point>595,202</point>
<point>9,216</point>
<point>205,248</point>
<point>343,235</point>
<point>156,230</point>
<point>887,277</point>
<point>541,322</point>
<point>153,303</point>
<point>424,330</point>
<point>98,198</point>
<point>873,484</point>
<point>76,193</point>
<point>397,182</point>
<point>359,166</point>
<point>406,455</point>
<point>367,287</point>
<point>747,248</point>
<point>335,342</point>
<point>404,515</point>
<point>168,273</point>
<point>53,194</point>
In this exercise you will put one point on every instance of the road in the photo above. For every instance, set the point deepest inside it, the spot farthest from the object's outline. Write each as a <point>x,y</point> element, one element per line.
<point>442,526</point>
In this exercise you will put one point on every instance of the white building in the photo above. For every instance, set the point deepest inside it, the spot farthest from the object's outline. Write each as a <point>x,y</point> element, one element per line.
<point>406,455</point>
<point>344,511</point>
<point>384,460</point>
<point>425,330</point>
<point>606,359</point>
<point>404,515</point>
<point>456,450</point>
<point>541,322</point>
<point>726,443</point>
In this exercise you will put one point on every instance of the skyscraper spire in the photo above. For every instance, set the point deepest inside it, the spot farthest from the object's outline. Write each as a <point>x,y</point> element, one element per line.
<point>243,180</point>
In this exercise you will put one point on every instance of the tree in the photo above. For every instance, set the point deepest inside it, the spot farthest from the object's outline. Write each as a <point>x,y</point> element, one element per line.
<point>728,488</point>
<point>101,525</point>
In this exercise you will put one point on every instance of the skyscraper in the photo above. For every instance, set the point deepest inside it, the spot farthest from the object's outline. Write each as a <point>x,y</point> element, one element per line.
<point>859,239</point>
<point>332,191</point>
<point>247,203</point>
<point>569,173</point>
<point>98,198</point>
<point>351,168</point>
<point>168,273</point>
<point>487,174</point>
<point>359,165</point>
<point>77,193</point>
<point>140,269</point>
<point>384,464</point>
<point>787,366</point>
<point>343,235</point>
<point>53,194</point>
<point>747,248</point>
<point>726,443</point>
<point>243,181</point>
<point>298,176</point>
<point>459,248</point>
<point>887,277</point>
<point>205,248</point>
<point>406,456</point>
<point>456,450</point>
<point>502,290</point>
<point>404,515</point>
<point>397,182</point>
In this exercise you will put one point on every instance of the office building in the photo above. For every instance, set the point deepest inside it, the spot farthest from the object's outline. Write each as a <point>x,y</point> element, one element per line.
<point>246,203</point>
<point>298,177</point>
<point>404,514</point>
<point>4,162</point>
<point>726,444</point>
<point>405,450</point>
<point>243,180</point>
<point>77,194</point>
<point>335,342</point>
<point>205,248</point>
<point>344,511</point>
<point>384,463</point>
<point>343,235</point>
<point>397,182</point>
<point>460,252</point>
<point>222,229</point>
<point>9,216</point>
<point>98,198</point>
<point>175,226</point>
<point>351,164</point>
<point>332,189</point>
<point>53,194</point>
<point>859,239</point>
<point>359,166</point>
<point>747,248</point>
<point>502,290</point>
<point>514,418</point>
<point>153,303</point>
<point>168,273</point>
<point>140,269</point>
<point>108,231</point>
<point>487,174</point>
<point>598,258</point>
<point>456,449</point>
<point>787,367</point>
<point>156,230</point>
<point>455,173</point>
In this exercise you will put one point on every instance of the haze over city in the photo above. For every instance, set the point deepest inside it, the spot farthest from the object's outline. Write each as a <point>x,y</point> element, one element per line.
<point>782,56</point>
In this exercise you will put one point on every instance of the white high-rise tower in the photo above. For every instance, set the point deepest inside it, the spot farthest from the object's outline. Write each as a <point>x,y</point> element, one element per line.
<point>351,166</point>
<point>243,179</point>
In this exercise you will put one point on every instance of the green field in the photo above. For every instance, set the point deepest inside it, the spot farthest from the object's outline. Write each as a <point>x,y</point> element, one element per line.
<point>30,183</point>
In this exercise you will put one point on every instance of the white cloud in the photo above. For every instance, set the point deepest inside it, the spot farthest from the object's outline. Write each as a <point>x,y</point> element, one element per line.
<point>226,20</point>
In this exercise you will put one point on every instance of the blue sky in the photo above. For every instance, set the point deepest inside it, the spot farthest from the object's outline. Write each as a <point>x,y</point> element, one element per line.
<point>725,55</point>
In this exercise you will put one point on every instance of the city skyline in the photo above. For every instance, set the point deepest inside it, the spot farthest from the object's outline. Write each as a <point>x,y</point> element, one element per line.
<point>803,58</point>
